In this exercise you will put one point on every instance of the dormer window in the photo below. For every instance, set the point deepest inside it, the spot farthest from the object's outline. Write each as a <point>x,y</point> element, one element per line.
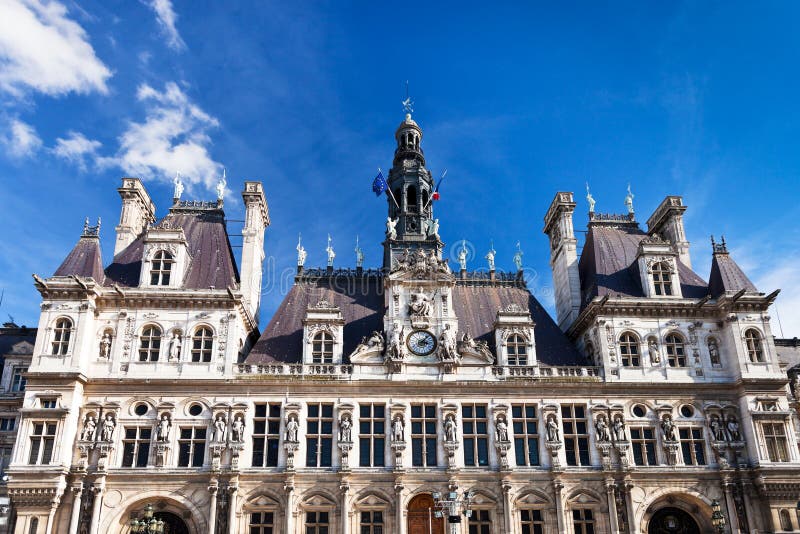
<point>161,268</point>
<point>629,350</point>
<point>752,341</point>
<point>662,279</point>
<point>676,351</point>
<point>150,344</point>
<point>517,350</point>
<point>322,348</point>
<point>202,343</point>
<point>61,335</point>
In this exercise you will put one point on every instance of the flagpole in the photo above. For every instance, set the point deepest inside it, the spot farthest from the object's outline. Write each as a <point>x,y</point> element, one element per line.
<point>389,190</point>
<point>430,200</point>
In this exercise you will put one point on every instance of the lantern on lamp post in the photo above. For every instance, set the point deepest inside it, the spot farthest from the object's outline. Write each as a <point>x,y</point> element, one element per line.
<point>146,523</point>
<point>452,506</point>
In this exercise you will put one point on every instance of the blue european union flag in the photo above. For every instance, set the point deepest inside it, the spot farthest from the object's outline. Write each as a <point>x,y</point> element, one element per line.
<point>379,184</point>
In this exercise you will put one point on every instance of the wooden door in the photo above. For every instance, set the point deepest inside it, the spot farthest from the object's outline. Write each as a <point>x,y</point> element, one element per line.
<point>420,516</point>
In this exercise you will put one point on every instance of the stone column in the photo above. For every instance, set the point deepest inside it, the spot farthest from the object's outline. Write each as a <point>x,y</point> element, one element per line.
<point>212,512</point>
<point>232,503</point>
<point>401,524</point>
<point>289,487</point>
<point>730,508</point>
<point>613,518</point>
<point>508,520</point>
<point>77,492</point>
<point>97,504</point>
<point>633,525</point>
<point>345,508</point>
<point>557,488</point>
<point>51,515</point>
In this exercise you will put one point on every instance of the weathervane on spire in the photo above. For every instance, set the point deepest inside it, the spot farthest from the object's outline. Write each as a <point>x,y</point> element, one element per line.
<point>408,104</point>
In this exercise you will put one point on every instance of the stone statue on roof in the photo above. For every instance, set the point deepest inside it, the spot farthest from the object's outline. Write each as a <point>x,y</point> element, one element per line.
<point>629,200</point>
<point>590,199</point>
<point>331,253</point>
<point>359,255</point>
<point>221,186</point>
<point>301,253</point>
<point>391,228</point>
<point>518,257</point>
<point>178,191</point>
<point>462,255</point>
<point>490,257</point>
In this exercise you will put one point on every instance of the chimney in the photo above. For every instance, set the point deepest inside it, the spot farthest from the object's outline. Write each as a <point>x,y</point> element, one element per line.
<point>255,222</point>
<point>667,221</point>
<point>564,258</point>
<point>137,212</point>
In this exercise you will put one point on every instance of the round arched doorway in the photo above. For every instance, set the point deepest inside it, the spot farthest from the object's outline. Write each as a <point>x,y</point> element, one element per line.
<point>421,519</point>
<point>172,523</point>
<point>672,521</point>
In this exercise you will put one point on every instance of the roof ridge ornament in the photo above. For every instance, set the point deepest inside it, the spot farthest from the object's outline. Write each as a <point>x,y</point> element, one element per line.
<point>90,231</point>
<point>719,248</point>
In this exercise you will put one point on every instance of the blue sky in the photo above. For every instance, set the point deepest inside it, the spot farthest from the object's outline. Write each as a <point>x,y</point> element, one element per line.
<point>516,101</point>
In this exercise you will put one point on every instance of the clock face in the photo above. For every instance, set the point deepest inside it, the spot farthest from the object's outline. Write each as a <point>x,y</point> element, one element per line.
<point>421,342</point>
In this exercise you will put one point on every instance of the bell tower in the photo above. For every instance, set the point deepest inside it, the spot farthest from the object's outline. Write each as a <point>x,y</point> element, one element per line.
<point>410,202</point>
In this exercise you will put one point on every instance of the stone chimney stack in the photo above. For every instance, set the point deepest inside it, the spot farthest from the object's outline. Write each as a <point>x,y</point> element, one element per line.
<point>564,258</point>
<point>137,212</point>
<point>255,223</point>
<point>667,221</point>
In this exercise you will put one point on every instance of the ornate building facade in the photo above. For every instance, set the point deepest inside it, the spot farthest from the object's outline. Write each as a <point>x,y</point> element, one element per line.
<point>652,401</point>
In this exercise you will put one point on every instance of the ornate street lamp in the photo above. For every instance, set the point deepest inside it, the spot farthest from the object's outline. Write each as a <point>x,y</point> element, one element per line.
<point>147,523</point>
<point>452,505</point>
<point>717,519</point>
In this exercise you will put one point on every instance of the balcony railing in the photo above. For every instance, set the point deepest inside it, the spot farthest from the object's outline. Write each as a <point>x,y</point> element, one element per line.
<point>546,372</point>
<point>296,370</point>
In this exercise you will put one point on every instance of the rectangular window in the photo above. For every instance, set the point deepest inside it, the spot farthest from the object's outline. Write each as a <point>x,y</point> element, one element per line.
<point>48,403</point>
<point>8,423</point>
<point>476,434</point>
<point>576,434</point>
<point>43,438</point>
<point>192,447</point>
<point>372,435</point>
<point>480,523</point>
<point>266,434</point>
<point>531,521</point>
<point>693,446</point>
<point>18,381</point>
<point>526,433</point>
<point>423,435</point>
<point>775,438</point>
<point>583,521</point>
<point>317,523</point>
<point>262,523</point>
<point>136,447</point>
<point>319,435</point>
<point>643,442</point>
<point>5,459</point>
<point>371,522</point>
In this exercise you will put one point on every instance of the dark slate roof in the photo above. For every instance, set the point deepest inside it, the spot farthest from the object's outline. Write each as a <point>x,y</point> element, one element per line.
<point>608,264</point>
<point>11,336</point>
<point>361,302</point>
<point>84,260</point>
<point>726,275</point>
<point>211,260</point>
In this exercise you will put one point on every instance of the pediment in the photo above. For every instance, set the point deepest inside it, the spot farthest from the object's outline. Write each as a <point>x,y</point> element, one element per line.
<point>372,500</point>
<point>22,347</point>
<point>318,500</point>
<point>531,499</point>
<point>481,499</point>
<point>584,498</point>
<point>475,355</point>
<point>372,355</point>
<point>264,500</point>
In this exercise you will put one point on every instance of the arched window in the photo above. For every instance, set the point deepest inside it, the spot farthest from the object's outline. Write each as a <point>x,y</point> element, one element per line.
<point>411,198</point>
<point>322,348</point>
<point>149,344</point>
<point>61,335</point>
<point>202,342</point>
<point>676,352</point>
<point>752,340</point>
<point>629,350</point>
<point>786,521</point>
<point>662,279</point>
<point>34,525</point>
<point>161,268</point>
<point>425,198</point>
<point>517,350</point>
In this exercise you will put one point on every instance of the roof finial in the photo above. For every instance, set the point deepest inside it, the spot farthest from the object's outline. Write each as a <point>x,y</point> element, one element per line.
<point>86,225</point>
<point>590,199</point>
<point>629,200</point>
<point>719,248</point>
<point>408,104</point>
<point>178,191</point>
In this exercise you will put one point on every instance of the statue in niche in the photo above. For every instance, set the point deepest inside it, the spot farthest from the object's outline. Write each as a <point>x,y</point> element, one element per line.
<point>396,350</point>
<point>501,429</point>
<point>450,429</point>
<point>601,427</point>
<point>220,429</point>
<point>398,429</point>
<point>89,429</point>
<point>716,429</point>
<point>552,430</point>
<point>162,431</point>
<point>237,430</point>
<point>391,228</point>
<point>733,429</point>
<point>292,427</point>
<point>175,347</point>
<point>668,427</point>
<point>105,345</point>
<point>652,349</point>
<point>619,429</point>
<point>421,304</point>
<point>345,429</point>
<point>713,351</point>
<point>108,428</point>
<point>447,344</point>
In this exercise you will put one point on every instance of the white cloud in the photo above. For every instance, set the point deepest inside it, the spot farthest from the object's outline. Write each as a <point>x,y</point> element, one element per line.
<point>783,273</point>
<point>172,138</point>
<point>76,148</point>
<point>166,19</point>
<point>20,139</point>
<point>42,49</point>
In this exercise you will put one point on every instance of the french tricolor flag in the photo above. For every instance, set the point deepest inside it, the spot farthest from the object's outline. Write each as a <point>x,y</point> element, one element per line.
<point>436,195</point>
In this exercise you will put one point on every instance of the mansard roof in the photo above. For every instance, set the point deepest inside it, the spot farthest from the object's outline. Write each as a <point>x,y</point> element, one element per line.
<point>84,260</point>
<point>211,260</point>
<point>608,264</point>
<point>360,299</point>
<point>726,275</point>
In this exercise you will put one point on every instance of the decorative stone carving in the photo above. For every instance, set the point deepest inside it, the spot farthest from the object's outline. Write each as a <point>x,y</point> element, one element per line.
<point>732,426</point>
<point>220,429</point>
<point>490,258</point>
<point>601,429</point>
<point>391,228</point>
<point>174,347</point>
<point>163,428</point>
<point>553,441</point>
<point>237,430</point>
<point>396,351</point>
<point>398,428</point>
<point>375,343</point>
<point>619,428</point>
<point>450,429</point>
<point>345,428</point>
<point>105,345</point>
<point>451,443</point>
<point>447,345</point>
<point>553,430</point>
<point>717,430</point>
<point>292,428</point>
<point>109,424</point>
<point>652,349</point>
<point>89,428</point>
<point>713,351</point>
<point>668,428</point>
<point>501,429</point>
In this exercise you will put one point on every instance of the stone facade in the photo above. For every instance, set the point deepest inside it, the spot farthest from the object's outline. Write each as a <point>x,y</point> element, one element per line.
<point>655,395</point>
